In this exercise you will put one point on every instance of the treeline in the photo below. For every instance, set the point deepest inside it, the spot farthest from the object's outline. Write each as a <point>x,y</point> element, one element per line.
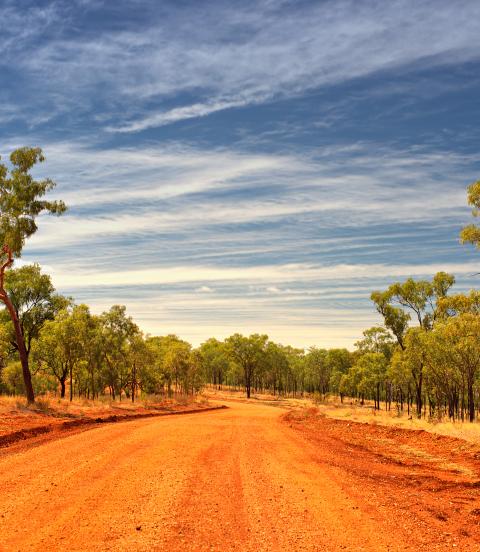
<point>69,348</point>
<point>47,343</point>
<point>429,368</point>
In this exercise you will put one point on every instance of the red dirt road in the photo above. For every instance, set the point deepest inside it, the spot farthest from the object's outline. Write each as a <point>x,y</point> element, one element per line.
<point>238,479</point>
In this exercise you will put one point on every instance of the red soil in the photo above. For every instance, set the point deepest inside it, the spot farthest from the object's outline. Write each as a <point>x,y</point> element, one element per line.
<point>248,478</point>
<point>421,487</point>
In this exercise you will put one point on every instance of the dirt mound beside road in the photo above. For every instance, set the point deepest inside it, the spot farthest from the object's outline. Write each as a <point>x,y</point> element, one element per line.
<point>427,485</point>
<point>29,424</point>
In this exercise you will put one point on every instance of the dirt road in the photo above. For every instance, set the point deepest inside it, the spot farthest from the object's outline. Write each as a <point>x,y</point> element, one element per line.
<point>237,479</point>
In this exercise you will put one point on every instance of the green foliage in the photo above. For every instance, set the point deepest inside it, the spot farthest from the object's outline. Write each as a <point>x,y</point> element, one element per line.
<point>249,353</point>
<point>417,297</point>
<point>20,198</point>
<point>452,358</point>
<point>12,380</point>
<point>376,340</point>
<point>471,233</point>
<point>60,350</point>
<point>460,304</point>
<point>215,361</point>
<point>340,361</point>
<point>34,299</point>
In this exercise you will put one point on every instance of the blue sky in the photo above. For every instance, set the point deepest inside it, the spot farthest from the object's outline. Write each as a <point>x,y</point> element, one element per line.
<point>254,167</point>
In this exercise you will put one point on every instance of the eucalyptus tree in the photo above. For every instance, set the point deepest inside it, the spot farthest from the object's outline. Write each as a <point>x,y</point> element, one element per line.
<point>4,352</point>
<point>34,300</point>
<point>116,331</point>
<point>399,374</point>
<point>215,361</point>
<point>373,369</point>
<point>61,347</point>
<point>339,361</point>
<point>47,354</point>
<point>420,298</point>
<point>460,303</point>
<point>249,353</point>
<point>471,233</point>
<point>140,360</point>
<point>376,339</point>
<point>317,371</point>
<point>179,362</point>
<point>20,204</point>
<point>277,367</point>
<point>171,357</point>
<point>453,360</point>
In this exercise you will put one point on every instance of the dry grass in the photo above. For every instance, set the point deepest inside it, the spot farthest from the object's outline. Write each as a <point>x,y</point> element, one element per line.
<point>16,415</point>
<point>366,414</point>
<point>333,408</point>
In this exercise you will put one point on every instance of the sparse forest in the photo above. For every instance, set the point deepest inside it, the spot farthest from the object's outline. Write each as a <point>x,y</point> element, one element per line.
<point>424,359</point>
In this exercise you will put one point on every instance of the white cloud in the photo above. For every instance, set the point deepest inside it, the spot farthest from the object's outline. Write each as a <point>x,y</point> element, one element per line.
<point>204,289</point>
<point>258,53</point>
<point>138,193</point>
<point>273,289</point>
<point>65,278</point>
<point>178,114</point>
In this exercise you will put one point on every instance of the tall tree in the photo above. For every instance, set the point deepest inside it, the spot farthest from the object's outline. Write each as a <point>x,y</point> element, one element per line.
<point>117,330</point>
<point>422,298</point>
<point>454,358</point>
<point>214,360</point>
<point>61,347</point>
<point>20,204</point>
<point>249,353</point>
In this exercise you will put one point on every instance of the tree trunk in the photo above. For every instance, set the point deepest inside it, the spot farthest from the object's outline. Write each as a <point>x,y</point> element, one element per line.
<point>22,350</point>
<point>471,402</point>
<point>419,400</point>
<point>71,383</point>
<point>134,381</point>
<point>62,387</point>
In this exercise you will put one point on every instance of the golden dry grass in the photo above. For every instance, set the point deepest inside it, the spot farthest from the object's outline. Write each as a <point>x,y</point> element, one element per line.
<point>366,414</point>
<point>350,410</point>
<point>56,407</point>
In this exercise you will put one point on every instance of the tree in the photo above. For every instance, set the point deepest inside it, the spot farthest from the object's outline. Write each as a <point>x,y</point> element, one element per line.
<point>421,298</point>
<point>376,340</point>
<point>414,357</point>
<point>277,366</point>
<point>249,354</point>
<point>214,360</point>
<point>34,299</point>
<point>317,370</point>
<point>372,368</point>
<point>20,204</point>
<point>116,330</point>
<point>471,233</point>
<point>139,358</point>
<point>460,303</point>
<point>453,359</point>
<point>395,318</point>
<point>339,361</point>
<point>174,363</point>
<point>399,374</point>
<point>4,352</point>
<point>61,347</point>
